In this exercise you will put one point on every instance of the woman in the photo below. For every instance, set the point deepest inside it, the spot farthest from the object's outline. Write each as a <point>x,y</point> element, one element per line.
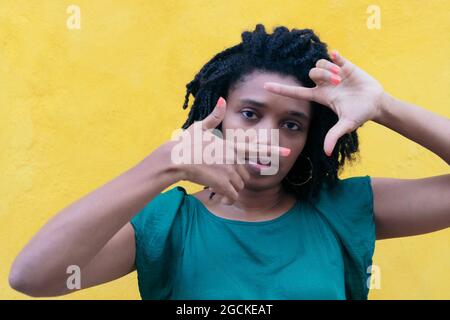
<point>301,233</point>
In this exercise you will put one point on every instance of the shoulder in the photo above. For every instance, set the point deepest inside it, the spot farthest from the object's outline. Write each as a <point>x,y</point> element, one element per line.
<point>347,200</point>
<point>161,211</point>
<point>349,192</point>
<point>350,184</point>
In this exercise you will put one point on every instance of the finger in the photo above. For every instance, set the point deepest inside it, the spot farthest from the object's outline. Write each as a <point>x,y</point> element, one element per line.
<point>227,201</point>
<point>243,172</point>
<point>254,149</point>
<point>342,127</point>
<point>224,187</point>
<point>227,194</point>
<point>236,181</point>
<point>328,65</point>
<point>216,116</point>
<point>320,76</point>
<point>230,193</point>
<point>347,67</point>
<point>337,58</point>
<point>216,196</point>
<point>296,92</point>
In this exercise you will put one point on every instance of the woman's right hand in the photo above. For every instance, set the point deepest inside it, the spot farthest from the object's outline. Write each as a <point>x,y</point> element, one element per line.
<point>225,178</point>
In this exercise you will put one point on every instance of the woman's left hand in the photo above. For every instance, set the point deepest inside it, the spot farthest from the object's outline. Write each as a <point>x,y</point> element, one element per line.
<point>350,92</point>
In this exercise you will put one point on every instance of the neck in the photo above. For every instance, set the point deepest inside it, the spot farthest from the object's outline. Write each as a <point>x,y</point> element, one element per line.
<point>253,202</point>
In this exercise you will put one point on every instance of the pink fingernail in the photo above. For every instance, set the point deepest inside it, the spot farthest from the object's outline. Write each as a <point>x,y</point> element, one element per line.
<point>335,69</point>
<point>335,79</point>
<point>334,55</point>
<point>220,102</point>
<point>285,151</point>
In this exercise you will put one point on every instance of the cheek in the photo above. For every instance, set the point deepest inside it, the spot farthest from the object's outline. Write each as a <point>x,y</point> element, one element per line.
<point>234,120</point>
<point>296,145</point>
<point>227,123</point>
<point>287,164</point>
<point>294,142</point>
<point>230,121</point>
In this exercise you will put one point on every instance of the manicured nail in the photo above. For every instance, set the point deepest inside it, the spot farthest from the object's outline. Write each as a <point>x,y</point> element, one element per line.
<point>285,151</point>
<point>334,54</point>
<point>335,69</point>
<point>221,102</point>
<point>335,79</point>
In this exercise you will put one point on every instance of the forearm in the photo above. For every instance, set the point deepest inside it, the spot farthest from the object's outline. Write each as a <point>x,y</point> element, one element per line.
<point>78,232</point>
<point>417,124</point>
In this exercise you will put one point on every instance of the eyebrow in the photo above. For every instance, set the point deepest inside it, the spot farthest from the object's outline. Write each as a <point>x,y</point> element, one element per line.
<point>263,105</point>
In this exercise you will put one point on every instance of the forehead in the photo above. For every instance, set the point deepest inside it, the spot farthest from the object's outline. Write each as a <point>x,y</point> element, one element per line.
<point>251,87</point>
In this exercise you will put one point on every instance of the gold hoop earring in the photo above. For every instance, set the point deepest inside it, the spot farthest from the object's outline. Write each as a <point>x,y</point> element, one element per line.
<point>302,183</point>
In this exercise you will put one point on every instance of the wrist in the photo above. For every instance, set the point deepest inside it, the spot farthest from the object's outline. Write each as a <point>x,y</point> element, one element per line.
<point>158,165</point>
<point>386,101</point>
<point>173,170</point>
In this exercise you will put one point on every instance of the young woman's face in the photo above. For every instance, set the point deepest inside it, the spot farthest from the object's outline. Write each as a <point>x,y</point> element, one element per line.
<point>250,106</point>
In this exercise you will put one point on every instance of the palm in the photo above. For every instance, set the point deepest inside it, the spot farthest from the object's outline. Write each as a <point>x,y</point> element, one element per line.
<point>355,99</point>
<point>343,87</point>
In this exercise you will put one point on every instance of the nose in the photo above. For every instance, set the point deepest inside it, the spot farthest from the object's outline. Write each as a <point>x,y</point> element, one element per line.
<point>267,132</point>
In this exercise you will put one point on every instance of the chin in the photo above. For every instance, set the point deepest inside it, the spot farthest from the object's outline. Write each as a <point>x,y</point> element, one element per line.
<point>261,183</point>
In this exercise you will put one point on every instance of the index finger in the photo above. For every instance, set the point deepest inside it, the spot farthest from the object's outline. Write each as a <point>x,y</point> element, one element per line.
<point>255,149</point>
<point>296,92</point>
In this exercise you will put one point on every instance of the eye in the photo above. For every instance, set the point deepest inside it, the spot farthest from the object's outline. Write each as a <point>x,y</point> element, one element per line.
<point>247,114</point>
<point>293,126</point>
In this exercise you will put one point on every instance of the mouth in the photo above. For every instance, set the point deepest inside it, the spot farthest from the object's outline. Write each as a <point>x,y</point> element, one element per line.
<point>258,163</point>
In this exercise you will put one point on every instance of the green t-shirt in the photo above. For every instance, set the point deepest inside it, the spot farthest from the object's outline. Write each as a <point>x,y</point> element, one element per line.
<point>315,250</point>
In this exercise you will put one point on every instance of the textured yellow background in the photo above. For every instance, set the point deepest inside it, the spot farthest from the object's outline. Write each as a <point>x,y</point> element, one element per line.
<point>79,107</point>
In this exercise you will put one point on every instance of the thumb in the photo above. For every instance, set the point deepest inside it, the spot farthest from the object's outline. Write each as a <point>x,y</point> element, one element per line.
<point>216,116</point>
<point>342,127</point>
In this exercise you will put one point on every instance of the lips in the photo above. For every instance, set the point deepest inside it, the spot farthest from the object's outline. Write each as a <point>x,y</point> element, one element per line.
<point>258,162</point>
<point>263,164</point>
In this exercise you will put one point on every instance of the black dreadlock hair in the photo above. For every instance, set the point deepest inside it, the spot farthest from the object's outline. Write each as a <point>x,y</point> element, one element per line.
<point>283,52</point>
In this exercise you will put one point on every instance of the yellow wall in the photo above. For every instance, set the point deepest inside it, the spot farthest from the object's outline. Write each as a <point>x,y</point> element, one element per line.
<point>78,107</point>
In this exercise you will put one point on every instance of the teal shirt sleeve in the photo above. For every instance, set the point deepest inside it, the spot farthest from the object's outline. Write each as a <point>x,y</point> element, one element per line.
<point>348,208</point>
<point>158,236</point>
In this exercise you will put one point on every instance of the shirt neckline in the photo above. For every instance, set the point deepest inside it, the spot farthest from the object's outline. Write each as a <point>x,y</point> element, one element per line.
<point>241,222</point>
